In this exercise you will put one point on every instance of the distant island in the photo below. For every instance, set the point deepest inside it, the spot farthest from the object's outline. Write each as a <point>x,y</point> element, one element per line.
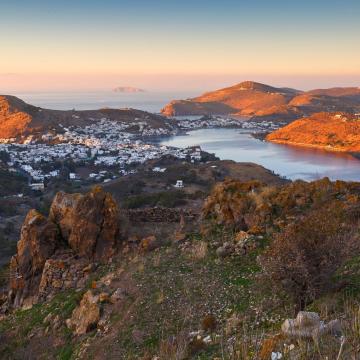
<point>128,89</point>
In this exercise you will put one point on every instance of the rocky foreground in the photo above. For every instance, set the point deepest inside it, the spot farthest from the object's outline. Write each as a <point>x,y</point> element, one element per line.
<point>258,100</point>
<point>78,225</point>
<point>264,272</point>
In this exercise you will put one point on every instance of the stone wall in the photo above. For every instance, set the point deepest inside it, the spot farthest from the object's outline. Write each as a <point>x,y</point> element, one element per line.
<point>63,271</point>
<point>159,214</point>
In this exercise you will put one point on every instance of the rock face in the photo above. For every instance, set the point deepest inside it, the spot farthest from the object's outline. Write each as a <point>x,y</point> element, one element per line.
<point>14,118</point>
<point>39,240</point>
<point>79,225</point>
<point>86,316</point>
<point>89,223</point>
<point>61,272</point>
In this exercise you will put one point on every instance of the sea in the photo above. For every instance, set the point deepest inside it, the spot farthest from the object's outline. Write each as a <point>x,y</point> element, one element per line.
<point>93,100</point>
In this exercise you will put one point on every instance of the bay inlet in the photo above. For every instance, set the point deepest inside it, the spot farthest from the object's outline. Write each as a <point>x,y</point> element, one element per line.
<point>291,162</point>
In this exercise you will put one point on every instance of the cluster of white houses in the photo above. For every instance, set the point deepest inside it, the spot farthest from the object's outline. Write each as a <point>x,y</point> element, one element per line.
<point>100,147</point>
<point>105,144</point>
<point>198,122</point>
<point>263,125</point>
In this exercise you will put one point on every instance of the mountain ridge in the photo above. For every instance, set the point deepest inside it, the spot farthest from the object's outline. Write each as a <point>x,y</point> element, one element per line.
<point>251,98</point>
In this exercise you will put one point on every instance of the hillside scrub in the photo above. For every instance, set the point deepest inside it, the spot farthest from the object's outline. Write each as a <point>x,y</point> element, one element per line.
<point>242,205</point>
<point>303,259</point>
<point>182,299</point>
<point>312,229</point>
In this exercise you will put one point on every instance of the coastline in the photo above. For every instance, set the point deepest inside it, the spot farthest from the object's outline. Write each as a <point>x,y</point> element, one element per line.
<point>313,146</point>
<point>183,132</point>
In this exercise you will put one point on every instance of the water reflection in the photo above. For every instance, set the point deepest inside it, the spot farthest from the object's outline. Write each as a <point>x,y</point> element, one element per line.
<point>290,161</point>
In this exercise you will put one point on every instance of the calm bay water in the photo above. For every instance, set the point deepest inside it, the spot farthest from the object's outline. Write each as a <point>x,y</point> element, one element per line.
<point>290,161</point>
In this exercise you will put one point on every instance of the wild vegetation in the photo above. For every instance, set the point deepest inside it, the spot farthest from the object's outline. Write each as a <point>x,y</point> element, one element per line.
<point>217,289</point>
<point>12,183</point>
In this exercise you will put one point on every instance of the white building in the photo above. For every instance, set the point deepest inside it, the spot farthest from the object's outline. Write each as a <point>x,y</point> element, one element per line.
<point>37,186</point>
<point>179,184</point>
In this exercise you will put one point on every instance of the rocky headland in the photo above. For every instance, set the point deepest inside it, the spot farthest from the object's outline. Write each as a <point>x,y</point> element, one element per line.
<point>329,131</point>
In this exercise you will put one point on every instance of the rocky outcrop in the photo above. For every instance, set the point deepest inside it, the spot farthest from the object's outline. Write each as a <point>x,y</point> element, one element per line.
<point>62,271</point>
<point>258,209</point>
<point>86,316</point>
<point>88,223</point>
<point>39,240</point>
<point>52,253</point>
<point>14,118</point>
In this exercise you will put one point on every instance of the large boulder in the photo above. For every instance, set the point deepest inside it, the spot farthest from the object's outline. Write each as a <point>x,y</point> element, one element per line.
<point>38,241</point>
<point>84,226</point>
<point>89,222</point>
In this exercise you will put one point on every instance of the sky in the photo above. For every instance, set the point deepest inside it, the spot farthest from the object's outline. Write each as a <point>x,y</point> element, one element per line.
<point>170,44</point>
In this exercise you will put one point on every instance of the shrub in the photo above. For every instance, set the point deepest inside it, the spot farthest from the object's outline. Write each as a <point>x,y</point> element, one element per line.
<point>168,199</point>
<point>230,202</point>
<point>305,256</point>
<point>12,183</point>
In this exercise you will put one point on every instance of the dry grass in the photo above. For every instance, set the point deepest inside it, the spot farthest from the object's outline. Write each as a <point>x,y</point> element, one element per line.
<point>198,250</point>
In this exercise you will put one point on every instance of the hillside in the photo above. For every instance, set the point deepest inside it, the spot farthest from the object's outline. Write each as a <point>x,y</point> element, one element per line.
<point>330,131</point>
<point>89,282</point>
<point>254,99</point>
<point>246,98</point>
<point>19,119</point>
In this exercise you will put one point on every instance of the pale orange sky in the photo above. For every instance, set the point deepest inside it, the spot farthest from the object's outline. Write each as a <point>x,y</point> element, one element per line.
<point>17,83</point>
<point>177,44</point>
